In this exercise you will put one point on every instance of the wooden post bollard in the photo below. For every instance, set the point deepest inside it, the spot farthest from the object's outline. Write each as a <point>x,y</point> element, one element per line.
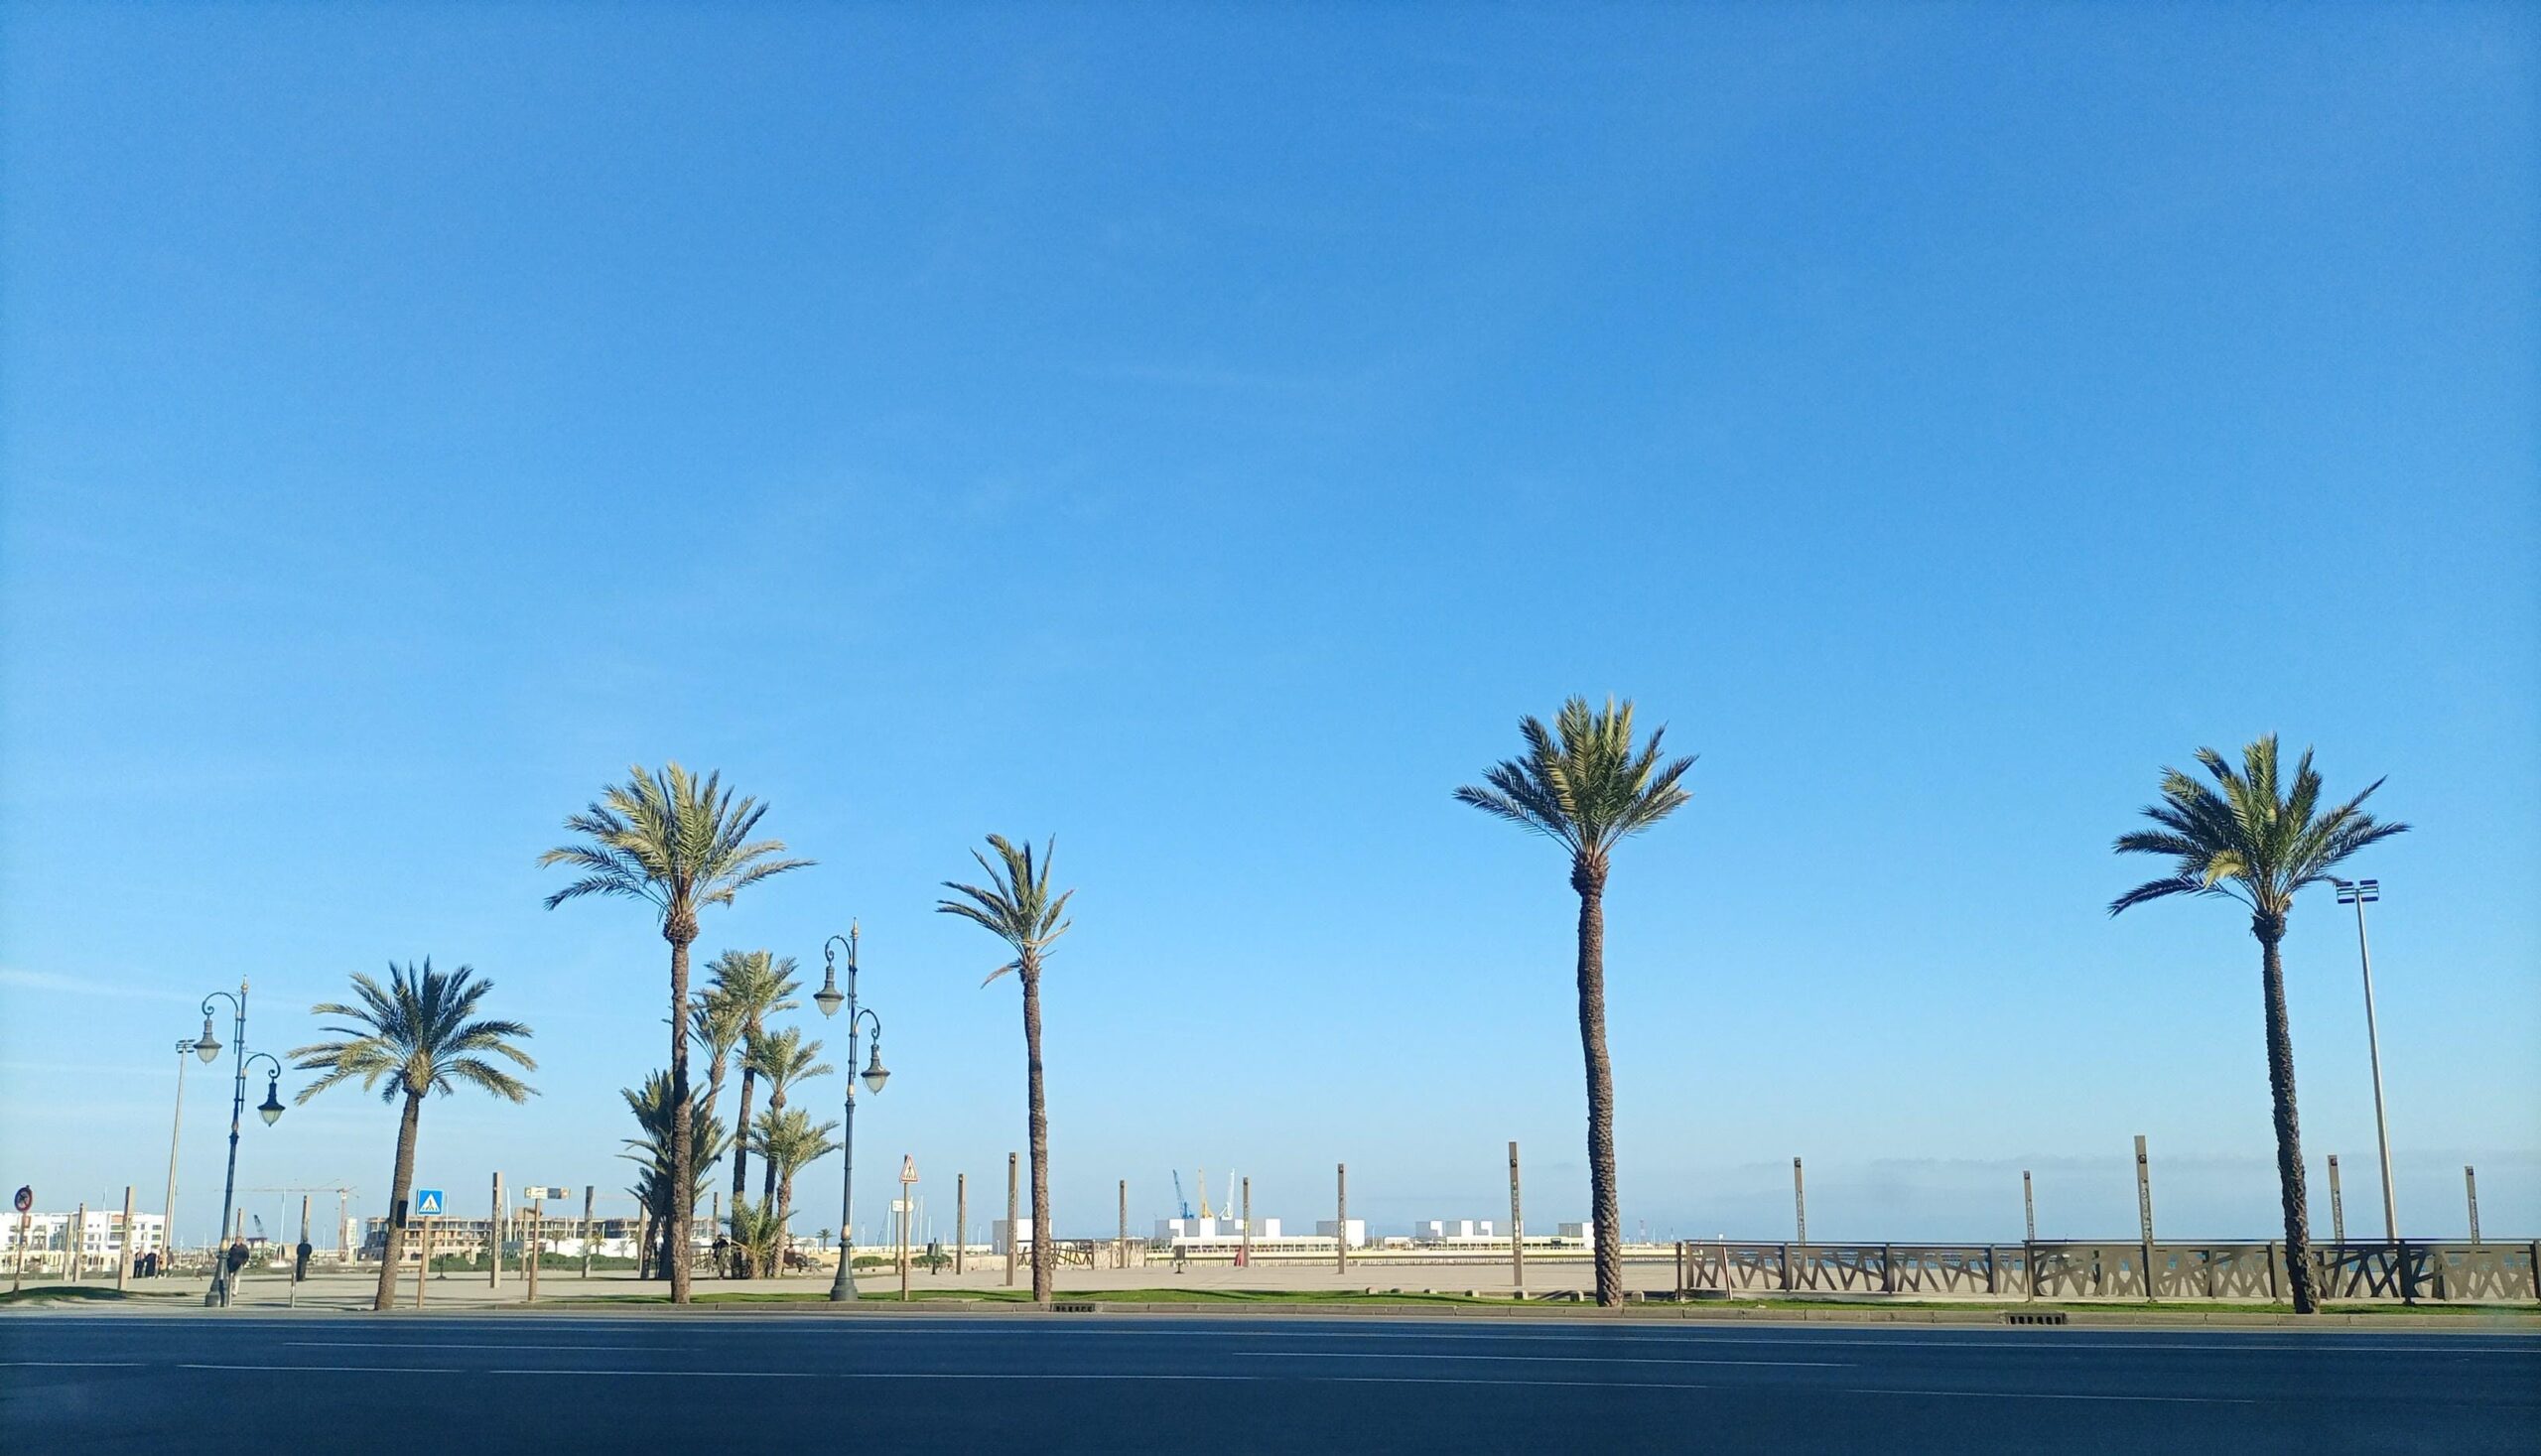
<point>1341,1216</point>
<point>1518,1233</point>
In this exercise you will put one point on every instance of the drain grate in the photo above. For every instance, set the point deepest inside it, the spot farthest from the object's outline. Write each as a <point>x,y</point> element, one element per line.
<point>2044,1317</point>
<point>1085,1308</point>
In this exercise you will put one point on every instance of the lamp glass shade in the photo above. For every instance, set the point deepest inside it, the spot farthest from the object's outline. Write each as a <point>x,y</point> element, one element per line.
<point>271,1108</point>
<point>827,998</point>
<point>209,1046</point>
<point>874,1076</point>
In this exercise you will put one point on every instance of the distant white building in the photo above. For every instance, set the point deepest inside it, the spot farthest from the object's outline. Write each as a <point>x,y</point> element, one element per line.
<point>51,1239</point>
<point>1580,1233</point>
<point>1184,1233</point>
<point>1019,1236</point>
<point>1446,1231</point>
<point>1353,1235</point>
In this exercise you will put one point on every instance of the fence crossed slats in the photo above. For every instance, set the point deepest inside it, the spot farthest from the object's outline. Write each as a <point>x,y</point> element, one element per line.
<point>2486,1273</point>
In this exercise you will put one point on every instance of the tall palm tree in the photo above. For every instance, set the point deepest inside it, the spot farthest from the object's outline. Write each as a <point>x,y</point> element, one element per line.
<point>2253,837</point>
<point>415,1034</point>
<point>679,844</point>
<point>1017,907</point>
<point>759,986</point>
<point>782,1059</point>
<point>650,1151</point>
<point>1584,785</point>
<point>788,1143</point>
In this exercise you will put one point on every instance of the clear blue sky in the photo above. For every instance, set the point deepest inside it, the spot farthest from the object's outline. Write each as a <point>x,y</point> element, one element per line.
<point>1202,436</point>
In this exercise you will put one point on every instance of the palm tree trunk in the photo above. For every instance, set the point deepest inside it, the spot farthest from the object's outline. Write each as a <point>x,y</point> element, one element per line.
<point>680,929</point>
<point>2289,1138</point>
<point>767,1185</point>
<point>742,1135</point>
<point>1044,1253</point>
<point>1604,1209</point>
<point>784,1216</point>
<point>401,1186</point>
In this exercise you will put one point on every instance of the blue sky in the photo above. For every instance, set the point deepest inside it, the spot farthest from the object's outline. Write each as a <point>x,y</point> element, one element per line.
<point>1201,436</point>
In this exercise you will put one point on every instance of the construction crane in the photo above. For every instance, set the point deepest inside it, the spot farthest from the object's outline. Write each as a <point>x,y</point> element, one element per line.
<point>1204,1194</point>
<point>1179,1200</point>
<point>343,1212</point>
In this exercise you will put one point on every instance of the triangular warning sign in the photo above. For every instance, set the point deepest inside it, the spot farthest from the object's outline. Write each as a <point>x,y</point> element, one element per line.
<point>909,1167</point>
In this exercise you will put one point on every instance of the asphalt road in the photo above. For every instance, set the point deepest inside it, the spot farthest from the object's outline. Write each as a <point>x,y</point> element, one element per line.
<point>470,1386</point>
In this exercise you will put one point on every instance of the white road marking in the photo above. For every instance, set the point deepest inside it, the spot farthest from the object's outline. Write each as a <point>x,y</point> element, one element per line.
<point>74,1364</point>
<point>455,1345</point>
<point>810,1374</point>
<point>330,1369</point>
<point>2052,1395</point>
<point>1537,1358</point>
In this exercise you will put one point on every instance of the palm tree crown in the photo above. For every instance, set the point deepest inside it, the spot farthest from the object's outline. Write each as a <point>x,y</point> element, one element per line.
<point>757,984</point>
<point>1582,783</point>
<point>717,1025</point>
<point>1019,910</point>
<point>650,1148</point>
<point>784,1058</point>
<point>671,839</point>
<point>414,1033</point>
<point>2249,835</point>
<point>790,1141</point>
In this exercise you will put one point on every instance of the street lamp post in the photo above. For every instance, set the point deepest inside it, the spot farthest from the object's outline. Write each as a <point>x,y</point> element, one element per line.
<point>2360,893</point>
<point>208,1048</point>
<point>829,1000</point>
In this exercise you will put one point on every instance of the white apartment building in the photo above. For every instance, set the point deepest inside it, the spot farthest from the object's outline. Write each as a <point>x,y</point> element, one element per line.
<point>100,1241</point>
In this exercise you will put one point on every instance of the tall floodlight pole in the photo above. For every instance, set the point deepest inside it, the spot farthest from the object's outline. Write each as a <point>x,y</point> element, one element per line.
<point>2360,893</point>
<point>176,1126</point>
<point>829,1000</point>
<point>208,1048</point>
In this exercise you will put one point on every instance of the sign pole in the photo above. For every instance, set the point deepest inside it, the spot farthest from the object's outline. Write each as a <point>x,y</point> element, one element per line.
<point>26,1200</point>
<point>424,1265</point>
<point>494,1237</point>
<point>909,1209</point>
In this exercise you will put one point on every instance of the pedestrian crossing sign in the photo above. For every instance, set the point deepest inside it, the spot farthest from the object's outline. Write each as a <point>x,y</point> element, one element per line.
<point>427,1201</point>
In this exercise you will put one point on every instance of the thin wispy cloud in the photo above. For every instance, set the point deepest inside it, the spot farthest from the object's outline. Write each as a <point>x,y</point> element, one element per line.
<point>53,982</point>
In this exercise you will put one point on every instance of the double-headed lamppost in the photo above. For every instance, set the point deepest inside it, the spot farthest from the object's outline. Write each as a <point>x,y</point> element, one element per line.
<point>2360,893</point>
<point>828,998</point>
<point>208,1048</point>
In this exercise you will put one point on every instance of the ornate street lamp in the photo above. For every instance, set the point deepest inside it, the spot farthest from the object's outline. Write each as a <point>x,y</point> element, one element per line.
<point>829,999</point>
<point>208,1048</point>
